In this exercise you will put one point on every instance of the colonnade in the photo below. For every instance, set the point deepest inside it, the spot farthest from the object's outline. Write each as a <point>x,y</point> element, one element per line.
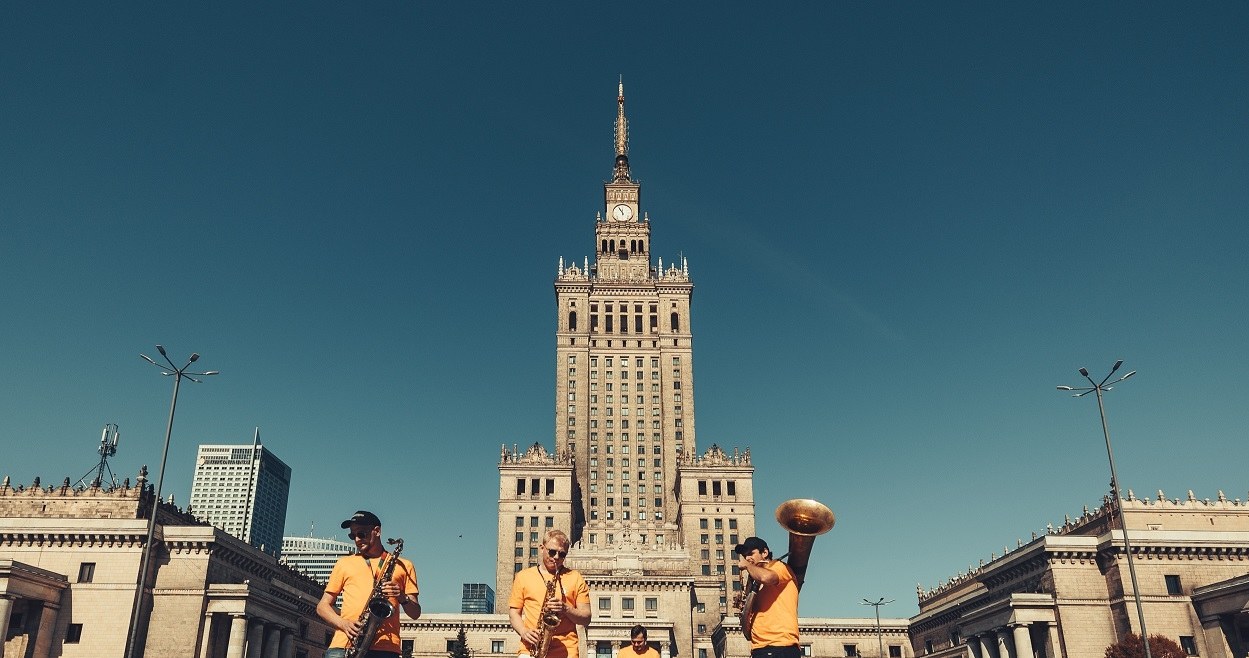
<point>256,638</point>
<point>1014,640</point>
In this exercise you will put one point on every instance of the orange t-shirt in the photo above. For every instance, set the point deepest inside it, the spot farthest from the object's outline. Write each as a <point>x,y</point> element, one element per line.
<point>528,593</point>
<point>776,610</point>
<point>628,652</point>
<point>353,577</point>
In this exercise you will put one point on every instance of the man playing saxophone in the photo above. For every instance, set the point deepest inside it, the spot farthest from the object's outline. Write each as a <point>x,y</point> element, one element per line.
<point>774,629</point>
<point>531,609</point>
<point>355,577</point>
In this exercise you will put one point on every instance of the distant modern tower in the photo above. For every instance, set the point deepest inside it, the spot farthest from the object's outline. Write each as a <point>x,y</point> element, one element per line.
<point>653,519</point>
<point>315,557</point>
<point>478,598</point>
<point>243,490</point>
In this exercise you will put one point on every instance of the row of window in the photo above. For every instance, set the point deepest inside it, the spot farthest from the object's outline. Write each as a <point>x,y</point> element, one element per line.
<point>717,486</point>
<point>623,360</point>
<point>533,487</point>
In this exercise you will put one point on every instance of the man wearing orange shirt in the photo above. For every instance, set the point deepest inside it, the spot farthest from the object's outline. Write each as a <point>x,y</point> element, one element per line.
<point>569,602</point>
<point>639,647</point>
<point>354,577</point>
<point>774,631</point>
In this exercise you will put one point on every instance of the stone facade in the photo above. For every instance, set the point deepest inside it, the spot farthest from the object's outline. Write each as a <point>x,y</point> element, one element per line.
<point>1068,592</point>
<point>69,564</point>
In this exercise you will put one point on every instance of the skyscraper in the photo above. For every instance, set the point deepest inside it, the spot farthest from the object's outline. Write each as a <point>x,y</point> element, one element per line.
<point>315,557</point>
<point>478,598</point>
<point>652,519</point>
<point>243,490</point>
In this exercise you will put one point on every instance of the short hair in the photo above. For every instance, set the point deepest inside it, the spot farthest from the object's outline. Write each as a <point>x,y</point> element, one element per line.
<point>637,630</point>
<point>557,535</point>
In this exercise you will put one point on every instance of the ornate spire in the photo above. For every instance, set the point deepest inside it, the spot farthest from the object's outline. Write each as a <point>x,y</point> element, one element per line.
<point>621,172</point>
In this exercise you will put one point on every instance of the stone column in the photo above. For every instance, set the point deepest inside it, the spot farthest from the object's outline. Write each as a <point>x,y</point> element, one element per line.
<point>1023,641</point>
<point>1005,648</point>
<point>6,609</point>
<point>205,643</point>
<point>238,636</point>
<point>272,641</point>
<point>43,636</point>
<point>255,638</point>
<point>973,647</point>
<point>1053,645</point>
<point>286,648</point>
<point>988,644</point>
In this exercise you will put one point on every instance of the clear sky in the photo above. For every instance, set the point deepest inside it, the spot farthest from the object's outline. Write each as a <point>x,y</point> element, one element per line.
<point>906,223</point>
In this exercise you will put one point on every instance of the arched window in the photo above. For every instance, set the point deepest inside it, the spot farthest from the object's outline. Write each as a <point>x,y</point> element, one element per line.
<point>675,323</point>
<point>633,246</point>
<point>641,245</point>
<point>572,320</point>
<point>604,247</point>
<point>613,245</point>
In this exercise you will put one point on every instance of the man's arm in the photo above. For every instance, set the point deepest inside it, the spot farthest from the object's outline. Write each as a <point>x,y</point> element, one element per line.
<point>527,635</point>
<point>411,606</point>
<point>326,611</point>
<point>759,571</point>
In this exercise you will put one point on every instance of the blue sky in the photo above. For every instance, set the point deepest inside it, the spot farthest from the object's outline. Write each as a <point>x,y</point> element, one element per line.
<point>906,223</point>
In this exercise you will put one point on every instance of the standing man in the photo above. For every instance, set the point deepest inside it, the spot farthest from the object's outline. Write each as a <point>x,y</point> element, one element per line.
<point>354,576</point>
<point>774,631</point>
<point>568,605</point>
<point>638,648</point>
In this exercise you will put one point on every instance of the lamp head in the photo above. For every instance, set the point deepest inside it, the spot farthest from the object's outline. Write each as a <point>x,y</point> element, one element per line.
<point>1084,372</point>
<point>161,349</point>
<point>1116,366</point>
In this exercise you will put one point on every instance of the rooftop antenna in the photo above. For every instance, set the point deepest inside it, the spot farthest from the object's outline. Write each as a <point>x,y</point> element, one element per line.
<point>108,448</point>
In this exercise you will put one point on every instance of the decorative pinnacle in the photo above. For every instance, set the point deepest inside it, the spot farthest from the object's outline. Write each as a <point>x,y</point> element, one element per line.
<point>620,174</point>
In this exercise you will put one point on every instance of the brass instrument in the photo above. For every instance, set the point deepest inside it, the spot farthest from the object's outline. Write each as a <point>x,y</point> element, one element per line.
<point>804,519</point>
<point>547,621</point>
<point>379,608</point>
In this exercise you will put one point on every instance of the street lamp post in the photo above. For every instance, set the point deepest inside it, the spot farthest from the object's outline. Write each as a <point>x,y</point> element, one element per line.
<point>1098,388</point>
<point>880,641</point>
<point>178,375</point>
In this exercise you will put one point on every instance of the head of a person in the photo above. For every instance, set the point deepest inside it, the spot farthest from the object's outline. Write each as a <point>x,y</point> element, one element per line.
<point>753,546</point>
<point>554,549</point>
<point>638,638</point>
<point>365,529</point>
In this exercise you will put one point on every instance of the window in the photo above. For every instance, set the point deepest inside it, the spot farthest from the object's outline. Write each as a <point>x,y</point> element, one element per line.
<point>86,572</point>
<point>1173,585</point>
<point>1188,644</point>
<point>451,646</point>
<point>652,604</point>
<point>806,649</point>
<point>604,603</point>
<point>73,633</point>
<point>626,604</point>
<point>702,629</point>
<point>496,646</point>
<point>850,650</point>
<point>895,651</point>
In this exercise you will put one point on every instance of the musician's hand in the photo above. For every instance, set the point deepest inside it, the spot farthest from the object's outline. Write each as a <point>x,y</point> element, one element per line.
<point>351,628</point>
<point>530,636</point>
<point>391,590</point>
<point>556,606</point>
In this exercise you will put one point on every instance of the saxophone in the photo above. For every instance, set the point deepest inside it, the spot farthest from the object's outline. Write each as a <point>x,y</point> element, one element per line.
<point>547,621</point>
<point>379,608</point>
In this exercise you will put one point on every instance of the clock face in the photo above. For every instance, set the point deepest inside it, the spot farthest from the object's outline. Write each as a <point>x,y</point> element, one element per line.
<point>622,212</point>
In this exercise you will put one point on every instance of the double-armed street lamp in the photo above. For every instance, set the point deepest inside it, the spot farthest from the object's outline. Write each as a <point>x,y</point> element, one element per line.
<point>178,375</point>
<point>880,642</point>
<point>1098,388</point>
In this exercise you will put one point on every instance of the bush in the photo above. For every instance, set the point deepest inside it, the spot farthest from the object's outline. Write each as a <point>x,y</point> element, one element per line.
<point>1160,646</point>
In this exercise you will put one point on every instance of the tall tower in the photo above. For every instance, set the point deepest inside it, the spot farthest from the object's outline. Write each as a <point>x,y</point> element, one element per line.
<point>243,489</point>
<point>624,374</point>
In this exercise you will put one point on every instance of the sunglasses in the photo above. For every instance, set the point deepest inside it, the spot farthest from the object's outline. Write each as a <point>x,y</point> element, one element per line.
<point>556,554</point>
<point>359,535</point>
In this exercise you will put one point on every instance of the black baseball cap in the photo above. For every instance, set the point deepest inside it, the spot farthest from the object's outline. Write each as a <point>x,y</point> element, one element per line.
<point>751,543</point>
<point>363,518</point>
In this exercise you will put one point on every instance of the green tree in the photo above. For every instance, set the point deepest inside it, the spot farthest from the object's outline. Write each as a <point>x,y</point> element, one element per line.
<point>1160,646</point>
<point>459,648</point>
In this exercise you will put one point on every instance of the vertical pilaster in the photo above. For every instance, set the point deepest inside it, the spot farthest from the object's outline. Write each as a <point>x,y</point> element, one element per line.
<point>973,647</point>
<point>1053,646</point>
<point>273,638</point>
<point>988,644</point>
<point>1023,641</point>
<point>206,634</point>
<point>6,610</point>
<point>47,625</point>
<point>255,638</point>
<point>238,636</point>
<point>1005,647</point>
<point>287,645</point>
